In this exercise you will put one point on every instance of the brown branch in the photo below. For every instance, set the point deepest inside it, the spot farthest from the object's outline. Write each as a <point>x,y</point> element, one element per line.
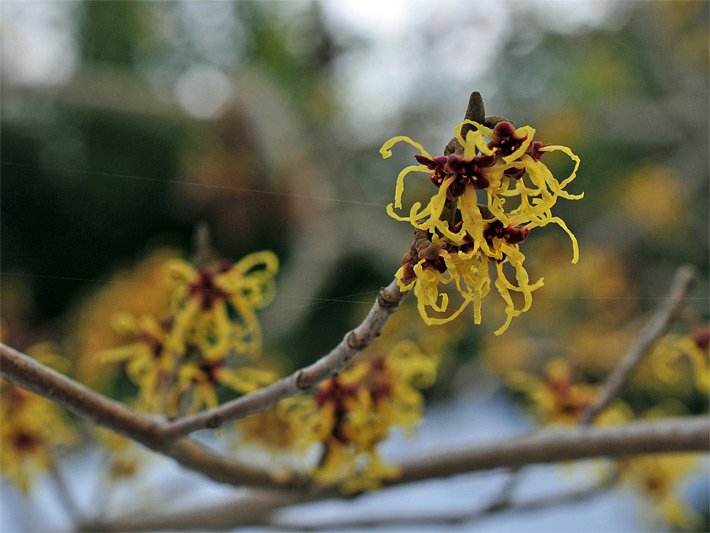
<point>656,326</point>
<point>245,510</point>
<point>526,505</point>
<point>24,371</point>
<point>302,380</point>
<point>29,374</point>
<point>689,434</point>
<point>165,436</point>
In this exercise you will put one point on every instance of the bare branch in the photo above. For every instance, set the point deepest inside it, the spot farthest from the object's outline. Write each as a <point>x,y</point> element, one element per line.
<point>466,517</point>
<point>245,510</point>
<point>565,444</point>
<point>657,326</point>
<point>689,434</point>
<point>203,253</point>
<point>302,380</point>
<point>29,374</point>
<point>24,371</point>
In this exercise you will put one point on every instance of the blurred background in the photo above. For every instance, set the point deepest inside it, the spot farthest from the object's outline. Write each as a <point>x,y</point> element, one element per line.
<point>125,124</point>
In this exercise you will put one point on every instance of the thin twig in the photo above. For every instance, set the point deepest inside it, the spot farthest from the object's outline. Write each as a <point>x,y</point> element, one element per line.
<point>64,493</point>
<point>251,509</point>
<point>26,372</point>
<point>466,517</point>
<point>203,254</point>
<point>656,326</point>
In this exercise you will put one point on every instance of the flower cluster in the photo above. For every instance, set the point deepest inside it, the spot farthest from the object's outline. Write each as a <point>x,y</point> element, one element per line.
<point>357,409</point>
<point>32,428</point>
<point>458,237</point>
<point>693,347</point>
<point>657,478</point>
<point>557,398</point>
<point>180,361</point>
<point>350,415</point>
<point>560,396</point>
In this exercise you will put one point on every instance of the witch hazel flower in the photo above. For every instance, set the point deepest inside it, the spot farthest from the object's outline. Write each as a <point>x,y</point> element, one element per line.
<point>492,190</point>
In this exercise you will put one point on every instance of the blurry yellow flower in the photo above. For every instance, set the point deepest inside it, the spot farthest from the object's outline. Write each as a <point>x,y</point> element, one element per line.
<point>140,291</point>
<point>349,416</point>
<point>357,409</point>
<point>694,348</point>
<point>211,327</point>
<point>556,398</point>
<point>200,380</point>
<point>458,237</point>
<point>289,425</point>
<point>150,363</point>
<point>214,308</point>
<point>31,428</point>
<point>657,478</point>
<point>645,206</point>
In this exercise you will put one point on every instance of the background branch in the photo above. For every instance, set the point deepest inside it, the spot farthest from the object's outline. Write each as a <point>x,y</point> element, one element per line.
<point>690,434</point>
<point>656,326</point>
<point>531,504</point>
<point>660,322</point>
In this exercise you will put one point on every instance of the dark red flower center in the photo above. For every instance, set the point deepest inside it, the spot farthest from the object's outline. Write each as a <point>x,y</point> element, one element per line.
<point>207,290</point>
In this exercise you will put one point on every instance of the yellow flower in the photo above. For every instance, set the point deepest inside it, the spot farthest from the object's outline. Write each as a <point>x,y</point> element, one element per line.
<point>214,308</point>
<point>140,291</point>
<point>150,363</point>
<point>211,325</point>
<point>556,398</point>
<point>350,415</point>
<point>671,348</point>
<point>657,478</point>
<point>31,428</point>
<point>289,425</point>
<point>356,410</point>
<point>200,380</point>
<point>458,237</point>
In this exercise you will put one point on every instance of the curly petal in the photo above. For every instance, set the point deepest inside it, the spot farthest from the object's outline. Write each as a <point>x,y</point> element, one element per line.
<point>386,150</point>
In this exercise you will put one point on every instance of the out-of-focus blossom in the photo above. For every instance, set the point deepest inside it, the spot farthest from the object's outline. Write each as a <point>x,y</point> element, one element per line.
<point>556,397</point>
<point>214,307</point>
<point>140,291</point>
<point>653,211</point>
<point>32,427</point>
<point>350,415</point>
<point>657,479</point>
<point>149,361</point>
<point>560,397</point>
<point>209,337</point>
<point>357,409</point>
<point>693,347</point>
